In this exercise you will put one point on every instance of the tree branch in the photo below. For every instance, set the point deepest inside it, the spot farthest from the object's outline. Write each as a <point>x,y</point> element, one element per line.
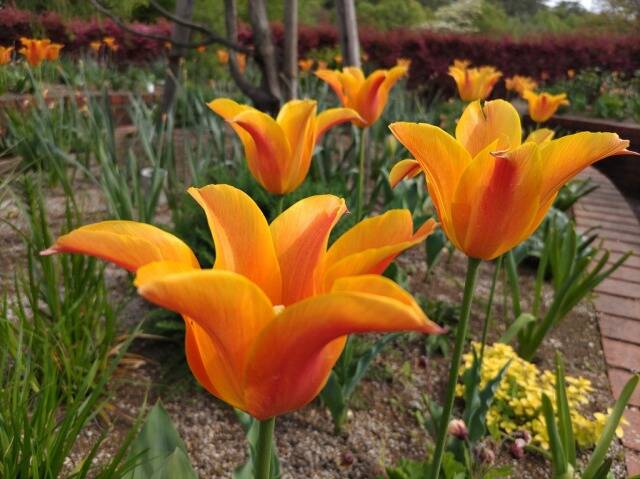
<point>253,92</point>
<point>210,36</point>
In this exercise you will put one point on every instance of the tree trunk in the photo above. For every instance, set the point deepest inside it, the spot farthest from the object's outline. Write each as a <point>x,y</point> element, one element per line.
<point>265,54</point>
<point>348,30</point>
<point>290,60</point>
<point>180,34</point>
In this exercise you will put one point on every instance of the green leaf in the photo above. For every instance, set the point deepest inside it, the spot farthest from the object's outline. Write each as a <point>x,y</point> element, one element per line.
<point>565,427</point>
<point>604,469</point>
<point>434,245</point>
<point>160,451</point>
<point>521,322</point>
<point>558,457</point>
<point>498,472</point>
<point>608,433</point>
<point>477,418</point>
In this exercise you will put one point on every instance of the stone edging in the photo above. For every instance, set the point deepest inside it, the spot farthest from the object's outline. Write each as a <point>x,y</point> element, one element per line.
<point>617,300</point>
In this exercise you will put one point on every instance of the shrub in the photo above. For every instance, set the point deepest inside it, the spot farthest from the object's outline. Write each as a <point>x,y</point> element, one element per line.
<point>518,402</point>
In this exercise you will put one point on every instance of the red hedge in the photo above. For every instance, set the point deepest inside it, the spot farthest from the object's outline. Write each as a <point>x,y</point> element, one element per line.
<point>76,34</point>
<point>431,53</point>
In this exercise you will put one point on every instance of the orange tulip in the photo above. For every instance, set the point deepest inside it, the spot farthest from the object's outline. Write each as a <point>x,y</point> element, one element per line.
<point>201,49</point>
<point>223,56</point>
<point>5,55</point>
<point>368,96</point>
<point>404,62</point>
<point>279,150</point>
<point>34,51</point>
<point>543,106</point>
<point>490,190</point>
<point>473,83</point>
<point>305,64</point>
<point>265,326</point>
<point>520,84</point>
<point>242,61</point>
<point>111,43</point>
<point>53,51</point>
<point>322,65</point>
<point>95,45</point>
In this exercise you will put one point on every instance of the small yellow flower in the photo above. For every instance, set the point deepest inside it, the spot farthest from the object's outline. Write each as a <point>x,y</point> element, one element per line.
<point>520,84</point>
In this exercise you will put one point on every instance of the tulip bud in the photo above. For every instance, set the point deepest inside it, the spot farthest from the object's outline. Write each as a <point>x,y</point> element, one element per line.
<point>485,455</point>
<point>517,448</point>
<point>524,435</point>
<point>458,429</point>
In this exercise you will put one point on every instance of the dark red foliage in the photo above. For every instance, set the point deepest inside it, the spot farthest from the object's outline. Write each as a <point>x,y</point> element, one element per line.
<point>543,57</point>
<point>76,34</point>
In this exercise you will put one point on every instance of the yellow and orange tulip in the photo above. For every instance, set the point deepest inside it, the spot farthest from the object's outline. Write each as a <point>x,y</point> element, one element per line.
<point>520,84</point>
<point>36,51</point>
<point>95,45</point>
<point>473,83</point>
<point>366,95</point>
<point>53,51</point>
<point>279,150</point>
<point>5,55</point>
<point>111,43</point>
<point>491,190</point>
<point>223,56</point>
<point>305,64</point>
<point>543,106</point>
<point>265,326</point>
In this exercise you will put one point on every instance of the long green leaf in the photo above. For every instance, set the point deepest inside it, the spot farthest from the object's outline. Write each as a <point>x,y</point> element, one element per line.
<point>558,457</point>
<point>600,451</point>
<point>565,427</point>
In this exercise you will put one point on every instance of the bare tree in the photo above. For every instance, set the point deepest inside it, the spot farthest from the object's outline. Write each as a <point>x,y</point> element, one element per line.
<point>180,34</point>
<point>290,57</point>
<point>348,31</point>
<point>266,96</point>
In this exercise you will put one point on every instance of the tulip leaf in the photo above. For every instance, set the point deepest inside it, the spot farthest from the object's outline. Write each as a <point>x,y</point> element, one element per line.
<point>558,456</point>
<point>159,449</point>
<point>435,244</point>
<point>565,427</point>
<point>519,325</point>
<point>478,402</point>
<point>608,433</point>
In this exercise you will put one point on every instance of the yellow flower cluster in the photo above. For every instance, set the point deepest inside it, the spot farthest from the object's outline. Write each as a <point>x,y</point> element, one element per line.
<point>518,400</point>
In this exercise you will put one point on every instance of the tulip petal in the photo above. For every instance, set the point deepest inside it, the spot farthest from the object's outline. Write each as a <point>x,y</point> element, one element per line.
<point>480,125</point>
<point>372,244</point>
<point>229,312</point>
<point>272,149</point>
<point>567,156</point>
<point>381,286</point>
<point>297,120</point>
<point>408,168</point>
<point>300,236</point>
<point>333,79</point>
<point>374,93</point>
<point>128,244</point>
<point>497,198</point>
<point>541,135</point>
<point>442,159</point>
<point>332,117</point>
<point>293,356</point>
<point>241,236</point>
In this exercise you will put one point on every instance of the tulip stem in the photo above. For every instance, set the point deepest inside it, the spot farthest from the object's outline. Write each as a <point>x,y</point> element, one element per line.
<point>461,336</point>
<point>361,174</point>
<point>263,448</point>
<point>487,316</point>
<point>512,274</point>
